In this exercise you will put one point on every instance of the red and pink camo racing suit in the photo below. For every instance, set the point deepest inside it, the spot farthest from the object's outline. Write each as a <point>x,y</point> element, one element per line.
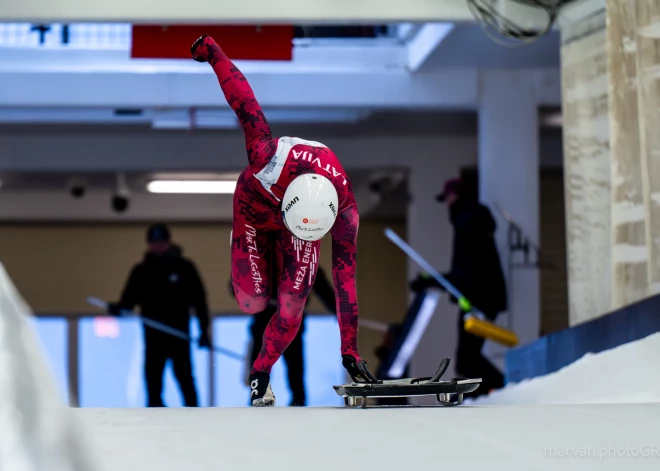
<point>258,227</point>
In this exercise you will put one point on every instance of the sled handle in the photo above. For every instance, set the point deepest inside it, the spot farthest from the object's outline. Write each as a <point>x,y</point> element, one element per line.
<point>444,364</point>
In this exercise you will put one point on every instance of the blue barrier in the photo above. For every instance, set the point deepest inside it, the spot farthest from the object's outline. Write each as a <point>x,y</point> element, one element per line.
<point>557,350</point>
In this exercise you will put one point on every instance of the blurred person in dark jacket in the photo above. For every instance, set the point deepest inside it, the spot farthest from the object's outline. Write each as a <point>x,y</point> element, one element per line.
<point>476,272</point>
<point>166,285</point>
<point>294,354</point>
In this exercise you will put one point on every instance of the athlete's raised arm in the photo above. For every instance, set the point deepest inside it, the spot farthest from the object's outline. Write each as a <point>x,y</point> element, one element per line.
<point>239,95</point>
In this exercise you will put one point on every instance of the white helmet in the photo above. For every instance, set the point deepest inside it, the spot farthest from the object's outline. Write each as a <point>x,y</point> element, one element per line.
<point>309,206</point>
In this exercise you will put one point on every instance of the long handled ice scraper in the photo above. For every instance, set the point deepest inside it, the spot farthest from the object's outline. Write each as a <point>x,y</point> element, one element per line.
<point>475,320</point>
<point>163,328</point>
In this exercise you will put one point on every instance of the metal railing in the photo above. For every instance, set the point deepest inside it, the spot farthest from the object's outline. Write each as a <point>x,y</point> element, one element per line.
<point>74,335</point>
<point>72,345</point>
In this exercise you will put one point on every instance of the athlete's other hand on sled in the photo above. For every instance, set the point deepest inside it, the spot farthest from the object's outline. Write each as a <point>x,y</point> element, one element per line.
<point>358,370</point>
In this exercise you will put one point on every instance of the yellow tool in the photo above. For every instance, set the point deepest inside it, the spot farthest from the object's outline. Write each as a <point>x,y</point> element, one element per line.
<point>490,331</point>
<point>486,329</point>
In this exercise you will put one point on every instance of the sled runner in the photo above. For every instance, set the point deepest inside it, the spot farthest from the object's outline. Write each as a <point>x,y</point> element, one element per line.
<point>448,393</point>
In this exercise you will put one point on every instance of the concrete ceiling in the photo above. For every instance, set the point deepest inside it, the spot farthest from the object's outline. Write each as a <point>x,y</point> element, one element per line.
<point>383,122</point>
<point>468,46</point>
<point>36,181</point>
<point>390,203</point>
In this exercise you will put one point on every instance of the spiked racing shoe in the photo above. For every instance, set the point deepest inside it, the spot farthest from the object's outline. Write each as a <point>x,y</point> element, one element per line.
<point>261,394</point>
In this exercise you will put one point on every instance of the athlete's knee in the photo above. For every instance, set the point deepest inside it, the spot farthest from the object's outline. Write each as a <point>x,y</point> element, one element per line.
<point>248,302</point>
<point>291,309</point>
<point>254,306</point>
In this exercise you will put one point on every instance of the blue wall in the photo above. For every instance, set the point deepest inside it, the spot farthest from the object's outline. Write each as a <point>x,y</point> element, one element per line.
<point>555,351</point>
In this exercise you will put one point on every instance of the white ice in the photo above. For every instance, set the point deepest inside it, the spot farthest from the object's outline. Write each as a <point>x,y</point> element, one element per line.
<point>518,428</point>
<point>525,438</point>
<point>625,374</point>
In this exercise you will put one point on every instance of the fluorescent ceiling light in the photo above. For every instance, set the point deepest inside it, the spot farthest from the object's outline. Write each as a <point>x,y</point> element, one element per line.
<point>192,186</point>
<point>195,176</point>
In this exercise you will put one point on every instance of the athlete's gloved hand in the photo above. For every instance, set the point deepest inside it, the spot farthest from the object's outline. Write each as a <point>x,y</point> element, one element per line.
<point>201,48</point>
<point>204,341</point>
<point>358,370</point>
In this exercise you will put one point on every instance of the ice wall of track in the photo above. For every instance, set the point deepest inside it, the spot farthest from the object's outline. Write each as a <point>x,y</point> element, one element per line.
<point>37,431</point>
<point>625,374</point>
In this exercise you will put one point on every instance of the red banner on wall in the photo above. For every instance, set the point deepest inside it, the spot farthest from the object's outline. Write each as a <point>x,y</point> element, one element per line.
<point>238,42</point>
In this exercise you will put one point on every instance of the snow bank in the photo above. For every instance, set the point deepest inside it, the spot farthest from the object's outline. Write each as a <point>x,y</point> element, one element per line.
<point>37,431</point>
<point>625,374</point>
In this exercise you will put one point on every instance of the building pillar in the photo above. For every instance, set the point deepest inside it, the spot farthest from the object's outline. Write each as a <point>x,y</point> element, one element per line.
<point>647,40</point>
<point>611,97</point>
<point>587,172</point>
<point>509,178</point>
<point>629,231</point>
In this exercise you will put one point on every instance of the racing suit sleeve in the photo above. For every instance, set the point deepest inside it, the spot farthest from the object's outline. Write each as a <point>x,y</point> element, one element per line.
<point>324,290</point>
<point>259,142</point>
<point>344,258</point>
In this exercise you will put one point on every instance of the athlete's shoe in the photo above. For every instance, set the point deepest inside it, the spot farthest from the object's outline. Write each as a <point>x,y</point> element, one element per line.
<point>261,393</point>
<point>358,370</point>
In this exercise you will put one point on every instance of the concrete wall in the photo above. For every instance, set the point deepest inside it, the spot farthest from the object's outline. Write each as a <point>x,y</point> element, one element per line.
<point>610,104</point>
<point>587,168</point>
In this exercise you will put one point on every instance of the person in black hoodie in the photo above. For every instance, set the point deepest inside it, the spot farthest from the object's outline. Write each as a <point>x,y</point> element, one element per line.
<point>166,286</point>
<point>476,272</point>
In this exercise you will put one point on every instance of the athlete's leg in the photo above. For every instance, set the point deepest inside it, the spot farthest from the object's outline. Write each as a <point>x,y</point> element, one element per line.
<point>299,265</point>
<point>294,357</point>
<point>250,271</point>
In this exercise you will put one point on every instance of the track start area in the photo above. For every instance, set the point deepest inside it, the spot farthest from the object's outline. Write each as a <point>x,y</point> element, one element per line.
<point>539,437</point>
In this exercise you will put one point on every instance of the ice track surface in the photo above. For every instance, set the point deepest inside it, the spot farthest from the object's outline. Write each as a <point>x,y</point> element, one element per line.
<point>38,434</point>
<point>600,413</point>
<point>566,437</point>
